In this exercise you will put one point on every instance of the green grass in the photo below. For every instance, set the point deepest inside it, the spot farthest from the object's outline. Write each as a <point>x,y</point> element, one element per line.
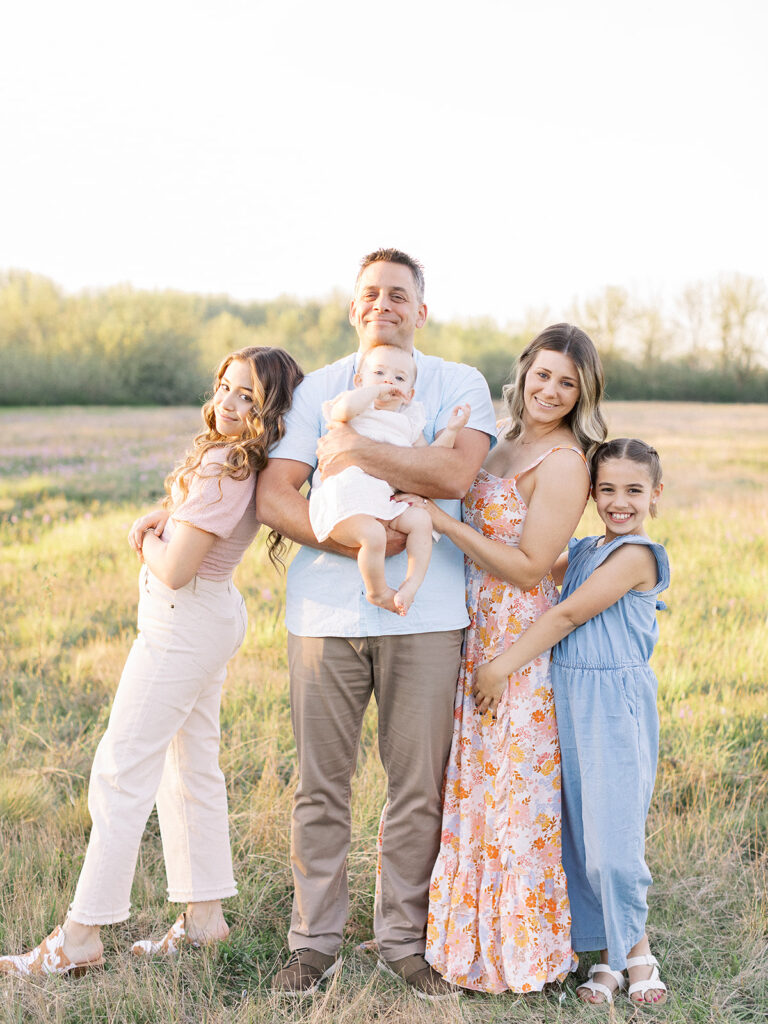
<point>72,480</point>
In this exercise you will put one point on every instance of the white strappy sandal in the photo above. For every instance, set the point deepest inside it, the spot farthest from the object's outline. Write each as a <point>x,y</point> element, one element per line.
<point>597,987</point>
<point>655,982</point>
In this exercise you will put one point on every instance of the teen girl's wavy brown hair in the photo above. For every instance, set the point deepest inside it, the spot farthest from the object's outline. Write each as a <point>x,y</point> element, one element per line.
<point>585,420</point>
<point>274,375</point>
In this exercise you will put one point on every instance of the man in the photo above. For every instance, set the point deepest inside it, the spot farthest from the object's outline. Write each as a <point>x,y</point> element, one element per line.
<point>341,649</point>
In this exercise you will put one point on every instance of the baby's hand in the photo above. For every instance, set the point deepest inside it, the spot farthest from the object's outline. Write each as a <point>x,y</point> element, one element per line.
<point>389,391</point>
<point>490,684</point>
<point>459,416</point>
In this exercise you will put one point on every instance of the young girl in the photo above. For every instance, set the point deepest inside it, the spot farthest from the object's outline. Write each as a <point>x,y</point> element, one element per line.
<point>605,697</point>
<point>349,506</point>
<point>162,740</point>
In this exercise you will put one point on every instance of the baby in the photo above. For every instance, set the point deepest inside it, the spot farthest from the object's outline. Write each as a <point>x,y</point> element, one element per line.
<point>348,507</point>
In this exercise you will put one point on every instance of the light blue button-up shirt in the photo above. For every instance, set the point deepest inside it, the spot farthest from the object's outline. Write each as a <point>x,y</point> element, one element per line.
<point>325,594</point>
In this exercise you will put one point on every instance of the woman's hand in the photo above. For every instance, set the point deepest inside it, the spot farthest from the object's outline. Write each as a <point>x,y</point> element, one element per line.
<point>440,519</point>
<point>490,684</point>
<point>154,520</point>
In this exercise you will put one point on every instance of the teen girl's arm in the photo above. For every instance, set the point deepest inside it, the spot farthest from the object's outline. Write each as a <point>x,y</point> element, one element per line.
<point>177,561</point>
<point>560,493</point>
<point>631,567</point>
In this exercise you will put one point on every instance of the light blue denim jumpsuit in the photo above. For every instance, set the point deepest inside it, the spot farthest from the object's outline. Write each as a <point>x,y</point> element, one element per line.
<point>605,699</point>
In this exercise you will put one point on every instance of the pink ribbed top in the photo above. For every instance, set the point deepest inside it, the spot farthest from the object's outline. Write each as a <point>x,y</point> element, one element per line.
<point>221,506</point>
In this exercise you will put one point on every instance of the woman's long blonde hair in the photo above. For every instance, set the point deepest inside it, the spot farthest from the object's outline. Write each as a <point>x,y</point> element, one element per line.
<point>274,375</point>
<point>585,420</point>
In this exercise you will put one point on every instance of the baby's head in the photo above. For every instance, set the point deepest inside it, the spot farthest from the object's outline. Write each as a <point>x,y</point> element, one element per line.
<point>626,483</point>
<point>387,364</point>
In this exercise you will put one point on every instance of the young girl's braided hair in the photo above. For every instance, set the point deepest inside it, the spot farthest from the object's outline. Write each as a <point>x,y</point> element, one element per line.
<point>628,448</point>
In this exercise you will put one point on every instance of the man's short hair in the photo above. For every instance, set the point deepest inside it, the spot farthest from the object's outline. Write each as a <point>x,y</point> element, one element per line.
<point>395,256</point>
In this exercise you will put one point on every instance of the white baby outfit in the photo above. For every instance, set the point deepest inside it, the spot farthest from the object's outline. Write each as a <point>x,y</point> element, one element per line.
<point>353,492</point>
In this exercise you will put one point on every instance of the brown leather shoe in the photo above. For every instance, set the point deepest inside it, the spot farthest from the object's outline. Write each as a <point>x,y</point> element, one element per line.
<point>304,972</point>
<point>420,977</point>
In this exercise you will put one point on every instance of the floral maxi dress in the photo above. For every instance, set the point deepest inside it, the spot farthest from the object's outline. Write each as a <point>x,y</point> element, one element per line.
<point>498,908</point>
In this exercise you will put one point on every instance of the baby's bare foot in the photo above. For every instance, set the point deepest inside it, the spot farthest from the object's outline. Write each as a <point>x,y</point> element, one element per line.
<point>383,599</point>
<point>404,597</point>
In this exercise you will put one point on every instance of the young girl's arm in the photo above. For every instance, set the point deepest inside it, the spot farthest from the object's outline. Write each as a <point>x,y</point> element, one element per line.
<point>177,561</point>
<point>631,567</point>
<point>558,569</point>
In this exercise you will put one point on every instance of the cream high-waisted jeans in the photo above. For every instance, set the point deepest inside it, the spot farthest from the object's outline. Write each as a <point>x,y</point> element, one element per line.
<point>162,746</point>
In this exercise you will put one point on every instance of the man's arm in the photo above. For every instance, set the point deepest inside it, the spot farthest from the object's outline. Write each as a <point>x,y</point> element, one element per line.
<point>434,472</point>
<point>281,507</point>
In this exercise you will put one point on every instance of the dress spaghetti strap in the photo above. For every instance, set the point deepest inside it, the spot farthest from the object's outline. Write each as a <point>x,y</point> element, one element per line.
<point>556,448</point>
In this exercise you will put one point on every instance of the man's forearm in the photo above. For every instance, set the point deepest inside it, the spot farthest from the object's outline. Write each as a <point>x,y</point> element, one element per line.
<point>433,471</point>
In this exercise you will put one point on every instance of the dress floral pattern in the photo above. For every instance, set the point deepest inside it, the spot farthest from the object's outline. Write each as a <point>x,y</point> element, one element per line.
<point>498,907</point>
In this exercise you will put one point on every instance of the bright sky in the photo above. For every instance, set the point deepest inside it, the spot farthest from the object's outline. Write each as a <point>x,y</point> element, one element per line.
<point>527,151</point>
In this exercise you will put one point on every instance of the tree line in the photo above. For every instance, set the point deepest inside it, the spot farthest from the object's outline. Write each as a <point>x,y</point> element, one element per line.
<point>122,345</point>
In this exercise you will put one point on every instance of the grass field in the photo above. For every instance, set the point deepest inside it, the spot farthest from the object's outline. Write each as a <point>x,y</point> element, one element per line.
<point>72,480</point>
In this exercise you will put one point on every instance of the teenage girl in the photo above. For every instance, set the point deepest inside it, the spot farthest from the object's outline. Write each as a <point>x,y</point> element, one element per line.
<point>162,740</point>
<point>604,629</point>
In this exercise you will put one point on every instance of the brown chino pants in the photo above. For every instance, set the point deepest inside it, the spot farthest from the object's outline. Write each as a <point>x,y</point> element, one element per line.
<point>413,678</point>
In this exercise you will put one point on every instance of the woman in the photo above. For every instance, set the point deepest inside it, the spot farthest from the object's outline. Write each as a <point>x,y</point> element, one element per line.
<point>499,917</point>
<point>162,741</point>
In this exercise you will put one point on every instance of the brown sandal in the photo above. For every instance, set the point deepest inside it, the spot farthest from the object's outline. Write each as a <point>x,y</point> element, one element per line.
<point>47,958</point>
<point>170,944</point>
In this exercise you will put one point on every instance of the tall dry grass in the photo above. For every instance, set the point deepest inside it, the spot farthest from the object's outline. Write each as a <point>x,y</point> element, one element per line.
<point>72,480</point>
